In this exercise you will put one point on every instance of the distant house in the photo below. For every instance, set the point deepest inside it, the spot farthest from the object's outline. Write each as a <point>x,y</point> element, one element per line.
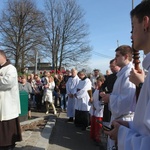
<point>41,67</point>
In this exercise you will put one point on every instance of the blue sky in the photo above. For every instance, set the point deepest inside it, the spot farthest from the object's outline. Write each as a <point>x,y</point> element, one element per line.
<point>109,22</point>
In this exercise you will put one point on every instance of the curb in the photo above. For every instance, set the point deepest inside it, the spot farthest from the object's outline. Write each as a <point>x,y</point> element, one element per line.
<point>31,121</point>
<point>35,140</point>
<point>43,141</point>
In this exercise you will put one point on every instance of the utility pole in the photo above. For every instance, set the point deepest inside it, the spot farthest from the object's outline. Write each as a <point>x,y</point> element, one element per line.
<point>117,43</point>
<point>132,4</point>
<point>36,60</point>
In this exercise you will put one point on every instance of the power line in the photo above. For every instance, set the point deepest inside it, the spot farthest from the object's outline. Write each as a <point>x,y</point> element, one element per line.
<point>102,55</point>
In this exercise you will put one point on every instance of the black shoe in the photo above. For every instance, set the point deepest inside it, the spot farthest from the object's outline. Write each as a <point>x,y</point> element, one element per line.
<point>70,119</point>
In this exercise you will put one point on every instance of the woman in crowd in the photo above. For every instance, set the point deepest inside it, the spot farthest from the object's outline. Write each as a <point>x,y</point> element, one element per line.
<point>62,89</point>
<point>49,87</point>
<point>26,86</point>
<point>38,91</point>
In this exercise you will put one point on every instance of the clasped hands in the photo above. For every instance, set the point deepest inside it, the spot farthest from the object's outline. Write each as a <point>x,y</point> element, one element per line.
<point>105,97</point>
<point>70,95</point>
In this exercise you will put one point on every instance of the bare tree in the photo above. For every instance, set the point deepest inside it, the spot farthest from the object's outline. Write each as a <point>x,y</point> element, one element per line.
<point>20,26</point>
<point>66,33</point>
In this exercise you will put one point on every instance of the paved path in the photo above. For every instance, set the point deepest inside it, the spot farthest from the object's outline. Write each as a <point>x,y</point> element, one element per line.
<point>37,139</point>
<point>58,134</point>
<point>66,136</point>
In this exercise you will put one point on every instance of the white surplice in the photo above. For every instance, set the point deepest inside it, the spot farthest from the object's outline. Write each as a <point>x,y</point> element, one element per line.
<point>137,137</point>
<point>82,101</point>
<point>97,104</point>
<point>122,99</point>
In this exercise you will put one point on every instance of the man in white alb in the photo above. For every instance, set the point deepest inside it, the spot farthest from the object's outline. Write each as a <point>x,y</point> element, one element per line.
<point>71,90</point>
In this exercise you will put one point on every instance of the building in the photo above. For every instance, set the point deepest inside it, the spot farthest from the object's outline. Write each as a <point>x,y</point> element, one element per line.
<point>41,67</point>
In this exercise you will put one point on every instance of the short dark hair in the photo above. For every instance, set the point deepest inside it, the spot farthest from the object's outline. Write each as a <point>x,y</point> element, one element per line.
<point>23,76</point>
<point>101,78</point>
<point>111,61</point>
<point>82,72</point>
<point>125,50</point>
<point>141,10</point>
<point>96,70</point>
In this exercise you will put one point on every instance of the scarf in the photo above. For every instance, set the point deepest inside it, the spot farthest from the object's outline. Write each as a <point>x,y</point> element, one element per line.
<point>6,63</point>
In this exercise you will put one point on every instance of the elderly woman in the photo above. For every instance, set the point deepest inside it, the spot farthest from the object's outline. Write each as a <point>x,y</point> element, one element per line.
<point>37,88</point>
<point>26,86</point>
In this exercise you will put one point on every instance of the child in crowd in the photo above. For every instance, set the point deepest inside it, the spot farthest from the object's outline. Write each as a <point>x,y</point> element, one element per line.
<point>96,111</point>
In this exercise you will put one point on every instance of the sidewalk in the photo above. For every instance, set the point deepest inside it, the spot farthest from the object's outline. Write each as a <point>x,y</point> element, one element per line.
<point>60,135</point>
<point>66,136</point>
<point>37,139</point>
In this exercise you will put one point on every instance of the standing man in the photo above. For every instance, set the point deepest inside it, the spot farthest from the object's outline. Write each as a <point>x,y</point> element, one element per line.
<point>107,87</point>
<point>135,135</point>
<point>122,99</point>
<point>10,131</point>
<point>71,86</point>
<point>82,106</point>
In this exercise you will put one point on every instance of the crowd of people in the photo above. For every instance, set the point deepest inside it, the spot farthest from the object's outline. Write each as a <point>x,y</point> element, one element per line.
<point>88,100</point>
<point>48,90</point>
